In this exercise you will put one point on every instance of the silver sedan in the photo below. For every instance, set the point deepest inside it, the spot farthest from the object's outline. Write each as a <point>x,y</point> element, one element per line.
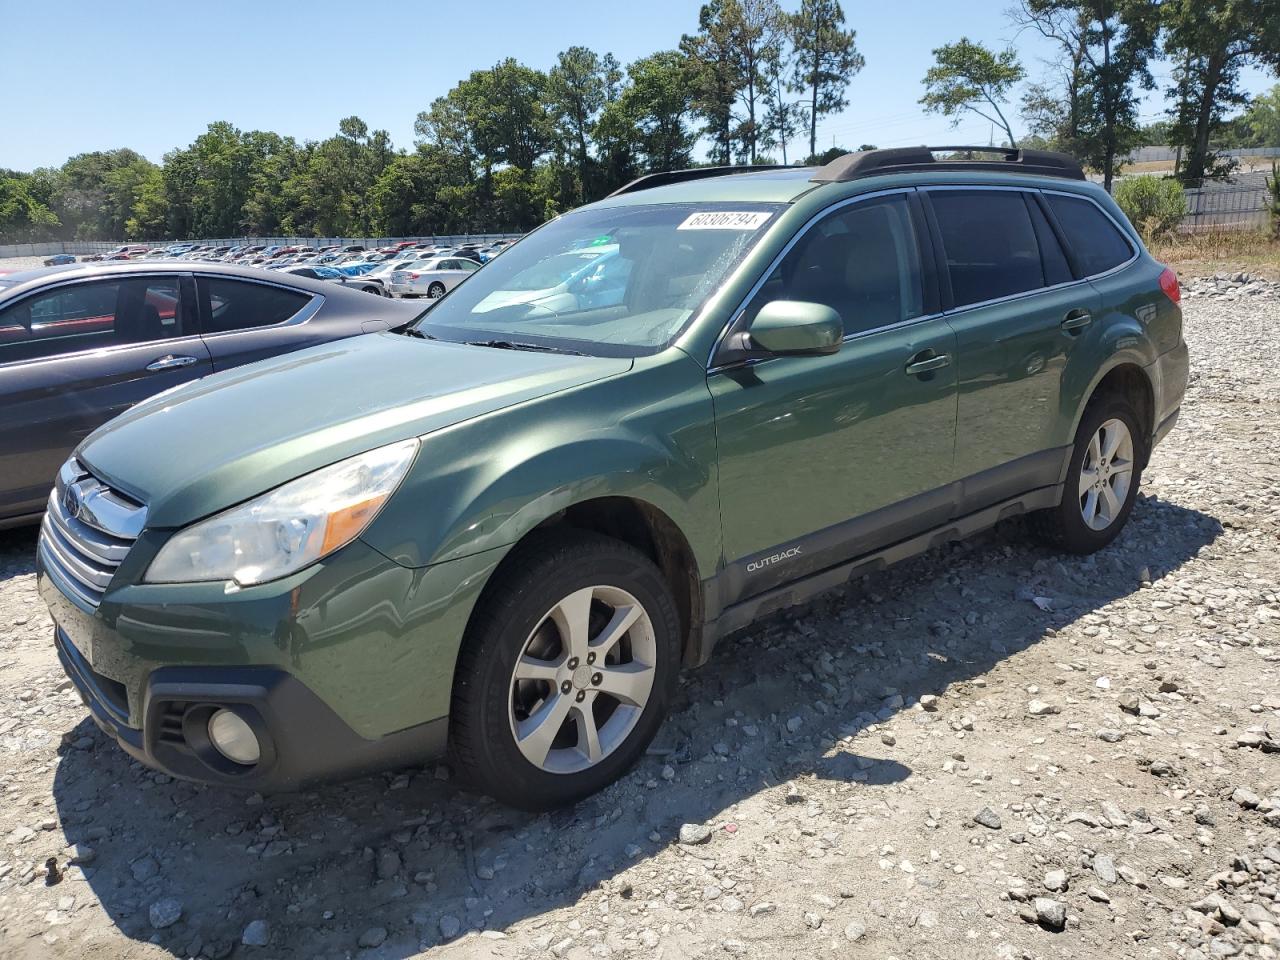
<point>431,277</point>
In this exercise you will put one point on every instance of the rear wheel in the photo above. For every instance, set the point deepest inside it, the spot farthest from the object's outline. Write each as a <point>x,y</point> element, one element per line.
<point>566,673</point>
<point>1102,480</point>
<point>435,290</point>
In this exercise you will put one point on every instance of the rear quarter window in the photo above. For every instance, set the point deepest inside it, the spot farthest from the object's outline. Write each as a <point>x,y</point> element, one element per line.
<point>244,305</point>
<point>1095,240</point>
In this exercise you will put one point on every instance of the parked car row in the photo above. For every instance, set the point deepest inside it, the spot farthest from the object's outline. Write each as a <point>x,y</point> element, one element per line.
<point>406,269</point>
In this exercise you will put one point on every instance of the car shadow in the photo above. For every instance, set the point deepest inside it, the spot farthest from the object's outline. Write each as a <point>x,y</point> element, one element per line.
<point>782,702</point>
<point>17,552</point>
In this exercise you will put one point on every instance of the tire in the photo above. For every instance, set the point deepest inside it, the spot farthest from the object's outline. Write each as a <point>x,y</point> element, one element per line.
<point>376,291</point>
<point>516,621</point>
<point>435,290</point>
<point>1068,526</point>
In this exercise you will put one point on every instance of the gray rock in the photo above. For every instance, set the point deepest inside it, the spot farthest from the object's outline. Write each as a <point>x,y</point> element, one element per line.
<point>1245,798</point>
<point>256,934</point>
<point>1107,735</point>
<point>450,926</point>
<point>855,930</point>
<point>144,868</point>
<point>1038,708</point>
<point>1097,894</point>
<point>1104,868</point>
<point>1051,914</point>
<point>692,834</point>
<point>986,817</point>
<point>165,913</point>
<point>1055,880</point>
<point>388,864</point>
<point>373,937</point>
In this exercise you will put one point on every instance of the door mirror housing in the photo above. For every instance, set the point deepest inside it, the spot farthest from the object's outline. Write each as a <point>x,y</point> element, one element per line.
<point>789,328</point>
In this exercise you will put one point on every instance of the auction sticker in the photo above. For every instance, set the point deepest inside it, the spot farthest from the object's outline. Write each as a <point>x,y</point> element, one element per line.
<point>724,220</point>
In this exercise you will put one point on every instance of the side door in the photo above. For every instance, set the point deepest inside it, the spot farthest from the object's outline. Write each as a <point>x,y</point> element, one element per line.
<point>75,355</point>
<point>245,320</point>
<point>1018,312</point>
<point>824,458</point>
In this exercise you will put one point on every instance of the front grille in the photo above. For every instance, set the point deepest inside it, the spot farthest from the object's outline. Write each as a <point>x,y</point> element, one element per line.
<point>87,531</point>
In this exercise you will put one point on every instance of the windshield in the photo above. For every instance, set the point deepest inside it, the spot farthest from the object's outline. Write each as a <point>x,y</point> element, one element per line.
<point>619,281</point>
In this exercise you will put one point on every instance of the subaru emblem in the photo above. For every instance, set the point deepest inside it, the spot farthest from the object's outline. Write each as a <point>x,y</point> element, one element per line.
<point>72,500</point>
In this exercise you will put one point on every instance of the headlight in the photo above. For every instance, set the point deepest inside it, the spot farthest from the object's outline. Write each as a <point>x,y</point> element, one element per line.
<point>289,528</point>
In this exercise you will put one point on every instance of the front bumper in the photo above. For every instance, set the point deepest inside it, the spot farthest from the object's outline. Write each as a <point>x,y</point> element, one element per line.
<point>343,668</point>
<point>302,741</point>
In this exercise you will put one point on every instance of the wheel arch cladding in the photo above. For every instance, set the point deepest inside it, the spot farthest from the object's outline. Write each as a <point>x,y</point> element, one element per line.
<point>1129,381</point>
<point>657,536</point>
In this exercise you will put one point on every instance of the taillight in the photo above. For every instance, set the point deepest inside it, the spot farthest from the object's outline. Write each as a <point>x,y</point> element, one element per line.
<point>1169,284</point>
<point>413,276</point>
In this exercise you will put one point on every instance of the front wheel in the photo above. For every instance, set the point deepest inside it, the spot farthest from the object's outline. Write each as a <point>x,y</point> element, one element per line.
<point>1102,480</point>
<point>566,671</point>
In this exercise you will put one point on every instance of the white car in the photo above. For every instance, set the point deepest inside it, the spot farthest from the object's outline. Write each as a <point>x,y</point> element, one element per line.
<point>430,278</point>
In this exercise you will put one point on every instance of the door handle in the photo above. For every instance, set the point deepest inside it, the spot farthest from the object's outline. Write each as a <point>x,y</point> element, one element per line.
<point>171,362</point>
<point>924,364</point>
<point>1077,320</point>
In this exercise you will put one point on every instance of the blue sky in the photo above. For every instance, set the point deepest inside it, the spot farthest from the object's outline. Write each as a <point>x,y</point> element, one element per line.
<point>151,75</point>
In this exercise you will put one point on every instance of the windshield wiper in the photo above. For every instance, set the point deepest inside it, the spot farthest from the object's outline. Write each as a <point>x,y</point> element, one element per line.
<point>515,345</point>
<point>411,331</point>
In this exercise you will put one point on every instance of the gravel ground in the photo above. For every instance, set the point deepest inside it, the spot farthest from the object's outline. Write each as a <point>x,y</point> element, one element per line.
<point>991,751</point>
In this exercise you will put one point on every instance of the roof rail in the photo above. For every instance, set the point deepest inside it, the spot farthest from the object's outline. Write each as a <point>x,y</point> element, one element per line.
<point>651,180</point>
<point>869,163</point>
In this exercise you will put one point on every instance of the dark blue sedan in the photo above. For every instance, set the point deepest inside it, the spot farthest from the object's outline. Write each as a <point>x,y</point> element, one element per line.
<point>59,259</point>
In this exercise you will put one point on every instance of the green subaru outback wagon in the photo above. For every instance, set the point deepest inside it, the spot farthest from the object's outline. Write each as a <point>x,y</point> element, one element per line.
<point>500,531</point>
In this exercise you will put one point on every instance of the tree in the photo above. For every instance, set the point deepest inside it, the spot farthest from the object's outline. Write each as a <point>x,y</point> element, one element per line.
<point>757,35</point>
<point>1115,40</point>
<point>711,70</point>
<point>782,116</point>
<point>827,58</point>
<point>23,218</point>
<point>1053,115</point>
<point>1211,41</point>
<point>1259,125</point>
<point>968,77</point>
<point>575,97</point>
<point>652,113</point>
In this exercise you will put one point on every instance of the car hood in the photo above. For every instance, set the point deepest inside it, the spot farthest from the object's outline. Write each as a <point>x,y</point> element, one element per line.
<point>208,445</point>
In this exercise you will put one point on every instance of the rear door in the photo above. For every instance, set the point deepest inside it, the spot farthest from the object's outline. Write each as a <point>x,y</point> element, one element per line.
<point>1018,313</point>
<point>246,320</point>
<point>77,354</point>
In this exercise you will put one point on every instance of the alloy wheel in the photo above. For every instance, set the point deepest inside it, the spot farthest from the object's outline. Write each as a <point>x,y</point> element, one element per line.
<point>1106,474</point>
<point>582,679</point>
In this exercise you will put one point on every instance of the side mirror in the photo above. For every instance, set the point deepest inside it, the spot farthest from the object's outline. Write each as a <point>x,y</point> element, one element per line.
<point>796,328</point>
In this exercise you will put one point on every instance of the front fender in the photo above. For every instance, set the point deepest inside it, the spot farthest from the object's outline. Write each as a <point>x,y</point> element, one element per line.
<point>483,484</point>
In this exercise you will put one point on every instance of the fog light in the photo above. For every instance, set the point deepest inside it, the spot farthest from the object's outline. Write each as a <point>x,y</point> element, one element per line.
<point>234,738</point>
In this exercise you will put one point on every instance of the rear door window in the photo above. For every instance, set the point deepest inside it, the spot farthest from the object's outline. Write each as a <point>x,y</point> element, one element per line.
<point>92,316</point>
<point>989,242</point>
<point>1095,240</point>
<point>244,305</point>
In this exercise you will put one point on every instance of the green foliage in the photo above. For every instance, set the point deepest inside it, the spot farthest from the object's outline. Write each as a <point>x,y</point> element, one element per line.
<point>826,59</point>
<point>504,149</point>
<point>1210,42</point>
<point>968,77</point>
<point>1155,205</point>
<point>1106,46</point>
